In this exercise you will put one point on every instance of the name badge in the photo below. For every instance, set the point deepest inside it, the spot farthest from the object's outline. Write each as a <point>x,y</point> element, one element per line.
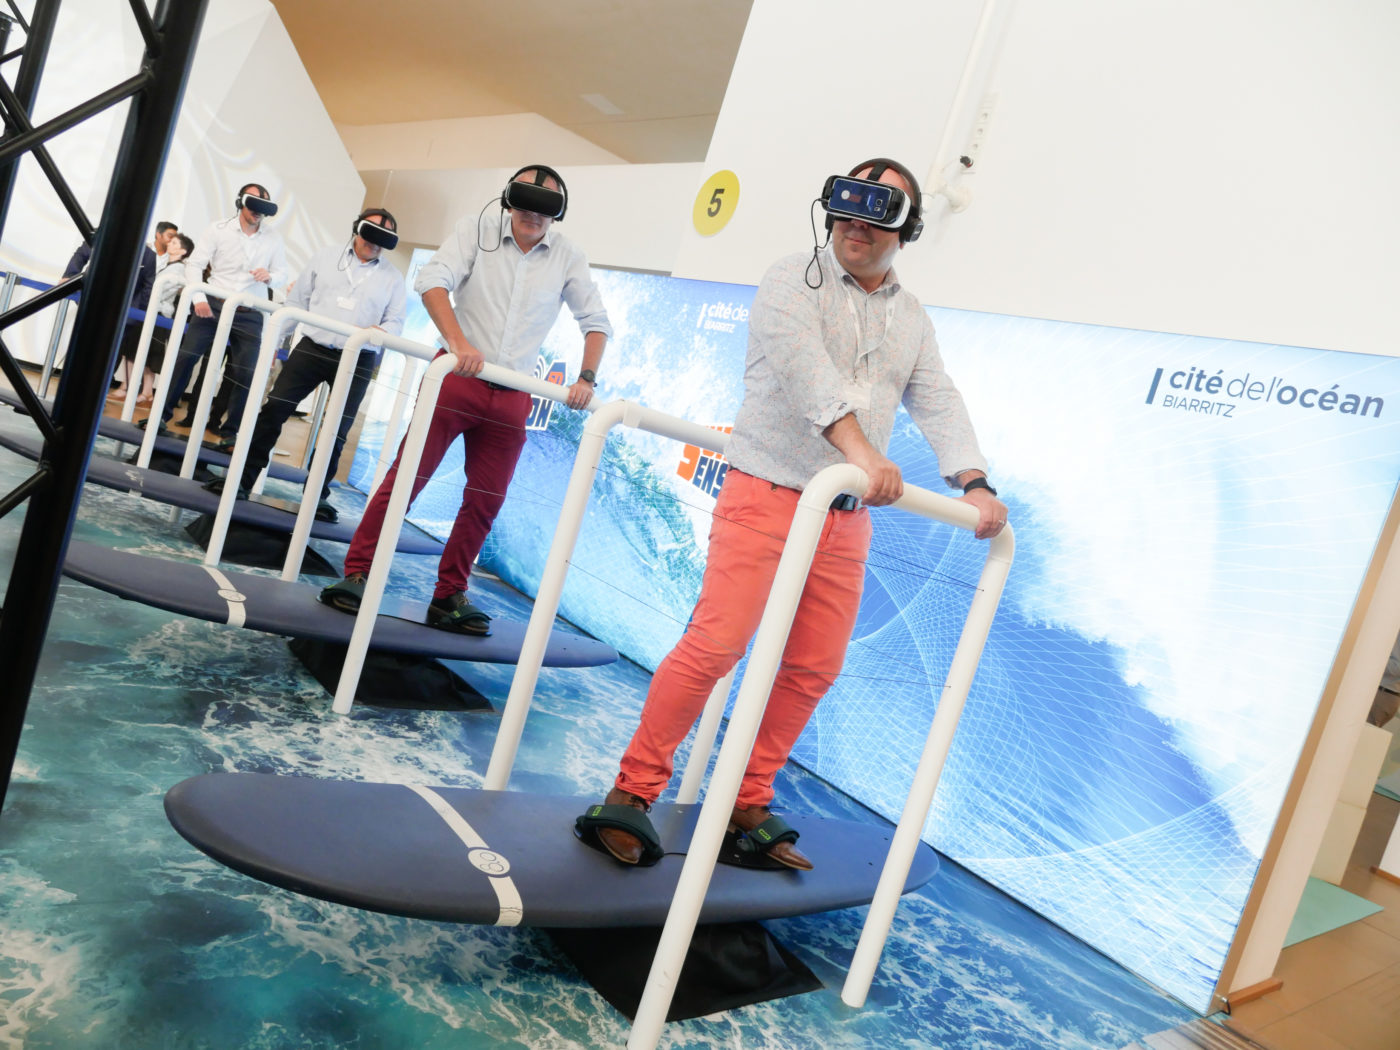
<point>859,396</point>
<point>345,302</point>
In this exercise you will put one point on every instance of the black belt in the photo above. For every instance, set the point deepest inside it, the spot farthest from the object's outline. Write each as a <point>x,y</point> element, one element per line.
<point>845,501</point>
<point>217,303</point>
<point>337,350</point>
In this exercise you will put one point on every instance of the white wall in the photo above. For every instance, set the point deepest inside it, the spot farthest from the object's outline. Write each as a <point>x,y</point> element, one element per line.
<point>621,215</point>
<point>250,114</point>
<point>468,142</point>
<point>809,96</point>
<point>1194,167</point>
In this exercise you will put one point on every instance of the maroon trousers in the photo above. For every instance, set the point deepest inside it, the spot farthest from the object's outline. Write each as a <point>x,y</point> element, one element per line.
<point>491,422</point>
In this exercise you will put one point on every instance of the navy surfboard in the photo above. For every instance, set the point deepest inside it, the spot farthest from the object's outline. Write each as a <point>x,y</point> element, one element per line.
<point>191,495</point>
<point>131,434</point>
<point>503,858</point>
<point>267,603</point>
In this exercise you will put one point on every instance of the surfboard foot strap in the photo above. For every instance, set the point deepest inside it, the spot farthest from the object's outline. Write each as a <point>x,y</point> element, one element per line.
<point>729,964</point>
<point>622,818</point>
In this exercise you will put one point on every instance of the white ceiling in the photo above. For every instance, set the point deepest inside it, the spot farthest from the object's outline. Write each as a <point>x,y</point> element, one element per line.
<point>663,63</point>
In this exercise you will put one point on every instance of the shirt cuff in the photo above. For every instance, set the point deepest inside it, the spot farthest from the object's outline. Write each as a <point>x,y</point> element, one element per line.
<point>830,413</point>
<point>967,461</point>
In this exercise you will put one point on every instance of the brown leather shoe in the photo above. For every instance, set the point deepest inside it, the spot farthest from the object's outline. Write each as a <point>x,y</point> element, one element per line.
<point>623,845</point>
<point>785,853</point>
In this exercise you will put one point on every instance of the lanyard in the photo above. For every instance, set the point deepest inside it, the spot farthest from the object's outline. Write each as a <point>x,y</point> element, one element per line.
<point>856,316</point>
<point>349,272</point>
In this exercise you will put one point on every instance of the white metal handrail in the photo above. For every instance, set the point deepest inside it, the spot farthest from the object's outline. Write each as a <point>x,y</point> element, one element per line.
<point>408,382</point>
<point>213,363</point>
<point>744,721</point>
<point>135,380</point>
<point>257,383</point>
<point>556,567</point>
<point>768,645</point>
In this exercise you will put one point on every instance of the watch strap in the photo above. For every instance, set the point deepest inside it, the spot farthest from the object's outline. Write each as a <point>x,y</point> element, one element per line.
<point>979,483</point>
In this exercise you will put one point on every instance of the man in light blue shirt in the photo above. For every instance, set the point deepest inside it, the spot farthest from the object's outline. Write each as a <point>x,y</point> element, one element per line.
<point>494,290</point>
<point>346,282</point>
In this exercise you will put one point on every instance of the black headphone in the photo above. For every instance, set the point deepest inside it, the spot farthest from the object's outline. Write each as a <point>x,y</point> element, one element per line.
<point>376,233</point>
<point>913,223</point>
<point>537,197</point>
<point>263,205</point>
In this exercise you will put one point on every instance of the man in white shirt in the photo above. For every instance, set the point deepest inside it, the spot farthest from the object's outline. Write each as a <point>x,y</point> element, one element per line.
<point>165,232</point>
<point>346,282</point>
<point>241,257</point>
<point>494,291</point>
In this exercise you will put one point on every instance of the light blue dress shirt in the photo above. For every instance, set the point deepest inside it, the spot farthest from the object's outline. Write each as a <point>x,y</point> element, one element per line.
<point>336,284</point>
<point>507,300</point>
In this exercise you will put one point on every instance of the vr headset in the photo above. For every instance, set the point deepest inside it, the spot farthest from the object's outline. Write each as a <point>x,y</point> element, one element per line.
<point>255,204</point>
<point>536,196</point>
<point>877,203</point>
<point>874,202</point>
<point>374,233</point>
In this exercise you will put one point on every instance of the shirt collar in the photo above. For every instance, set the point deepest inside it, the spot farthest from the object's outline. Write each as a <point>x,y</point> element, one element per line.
<point>888,286</point>
<point>236,225</point>
<point>508,232</point>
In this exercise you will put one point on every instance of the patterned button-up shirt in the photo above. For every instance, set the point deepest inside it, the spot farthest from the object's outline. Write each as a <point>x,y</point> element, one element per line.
<point>816,355</point>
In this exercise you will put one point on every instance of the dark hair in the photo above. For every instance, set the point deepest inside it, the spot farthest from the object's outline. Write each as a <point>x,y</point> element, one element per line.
<point>262,190</point>
<point>189,244</point>
<point>382,213</point>
<point>161,227</point>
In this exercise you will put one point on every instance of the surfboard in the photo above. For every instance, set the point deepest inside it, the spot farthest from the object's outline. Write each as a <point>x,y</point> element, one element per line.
<point>131,434</point>
<point>503,858</point>
<point>276,606</point>
<point>191,495</point>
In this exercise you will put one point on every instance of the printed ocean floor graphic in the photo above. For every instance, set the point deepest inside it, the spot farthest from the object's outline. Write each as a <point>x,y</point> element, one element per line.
<point>117,933</point>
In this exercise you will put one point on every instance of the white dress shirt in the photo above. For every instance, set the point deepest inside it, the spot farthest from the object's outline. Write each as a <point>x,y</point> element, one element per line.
<point>507,300</point>
<point>233,255</point>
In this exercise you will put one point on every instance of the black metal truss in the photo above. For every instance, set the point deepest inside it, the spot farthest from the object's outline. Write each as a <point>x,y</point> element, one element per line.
<point>52,492</point>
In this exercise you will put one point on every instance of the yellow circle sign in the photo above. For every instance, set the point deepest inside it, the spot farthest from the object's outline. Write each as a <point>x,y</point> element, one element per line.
<point>715,203</point>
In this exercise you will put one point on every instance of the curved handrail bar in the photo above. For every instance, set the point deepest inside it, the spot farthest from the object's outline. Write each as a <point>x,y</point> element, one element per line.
<point>956,685</point>
<point>257,383</point>
<point>408,382</point>
<point>748,712</point>
<point>340,385</point>
<point>590,454</point>
<point>213,369</point>
<point>331,407</point>
<point>216,357</point>
<point>143,342</point>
